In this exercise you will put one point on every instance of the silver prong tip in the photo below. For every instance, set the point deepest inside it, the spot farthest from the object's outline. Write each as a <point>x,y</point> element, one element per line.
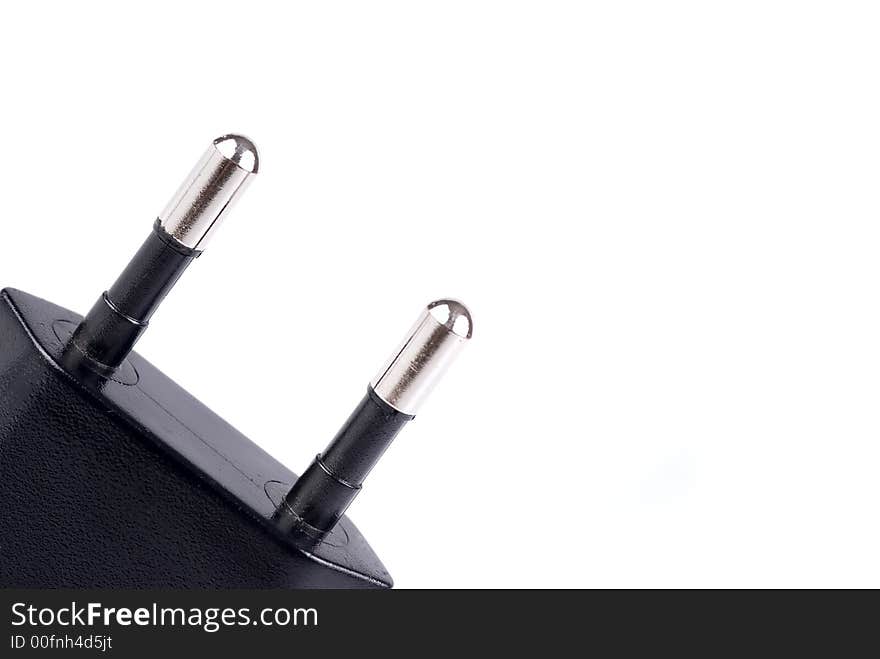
<point>240,150</point>
<point>453,315</point>
<point>210,191</point>
<point>441,331</point>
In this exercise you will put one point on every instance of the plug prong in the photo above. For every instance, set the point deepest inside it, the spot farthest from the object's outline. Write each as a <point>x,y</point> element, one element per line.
<point>325,490</point>
<point>117,320</point>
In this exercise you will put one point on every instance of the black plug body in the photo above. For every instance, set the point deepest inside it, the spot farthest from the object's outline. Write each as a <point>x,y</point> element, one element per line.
<point>128,481</point>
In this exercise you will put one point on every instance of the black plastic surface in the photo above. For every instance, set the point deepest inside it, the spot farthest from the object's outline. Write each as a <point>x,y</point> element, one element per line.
<point>130,482</point>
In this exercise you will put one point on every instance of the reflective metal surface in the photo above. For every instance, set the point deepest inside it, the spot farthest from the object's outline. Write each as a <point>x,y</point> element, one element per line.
<point>441,331</point>
<point>207,194</point>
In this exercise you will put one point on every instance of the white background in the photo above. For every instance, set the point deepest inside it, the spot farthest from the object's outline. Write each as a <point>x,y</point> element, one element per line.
<point>664,217</point>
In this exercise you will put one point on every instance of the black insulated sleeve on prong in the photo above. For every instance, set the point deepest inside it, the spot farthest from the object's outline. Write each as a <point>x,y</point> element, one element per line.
<point>116,321</point>
<point>325,490</point>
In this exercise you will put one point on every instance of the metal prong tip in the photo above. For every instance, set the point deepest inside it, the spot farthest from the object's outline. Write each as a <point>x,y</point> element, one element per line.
<point>210,190</point>
<point>240,150</point>
<point>439,334</point>
<point>453,315</point>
